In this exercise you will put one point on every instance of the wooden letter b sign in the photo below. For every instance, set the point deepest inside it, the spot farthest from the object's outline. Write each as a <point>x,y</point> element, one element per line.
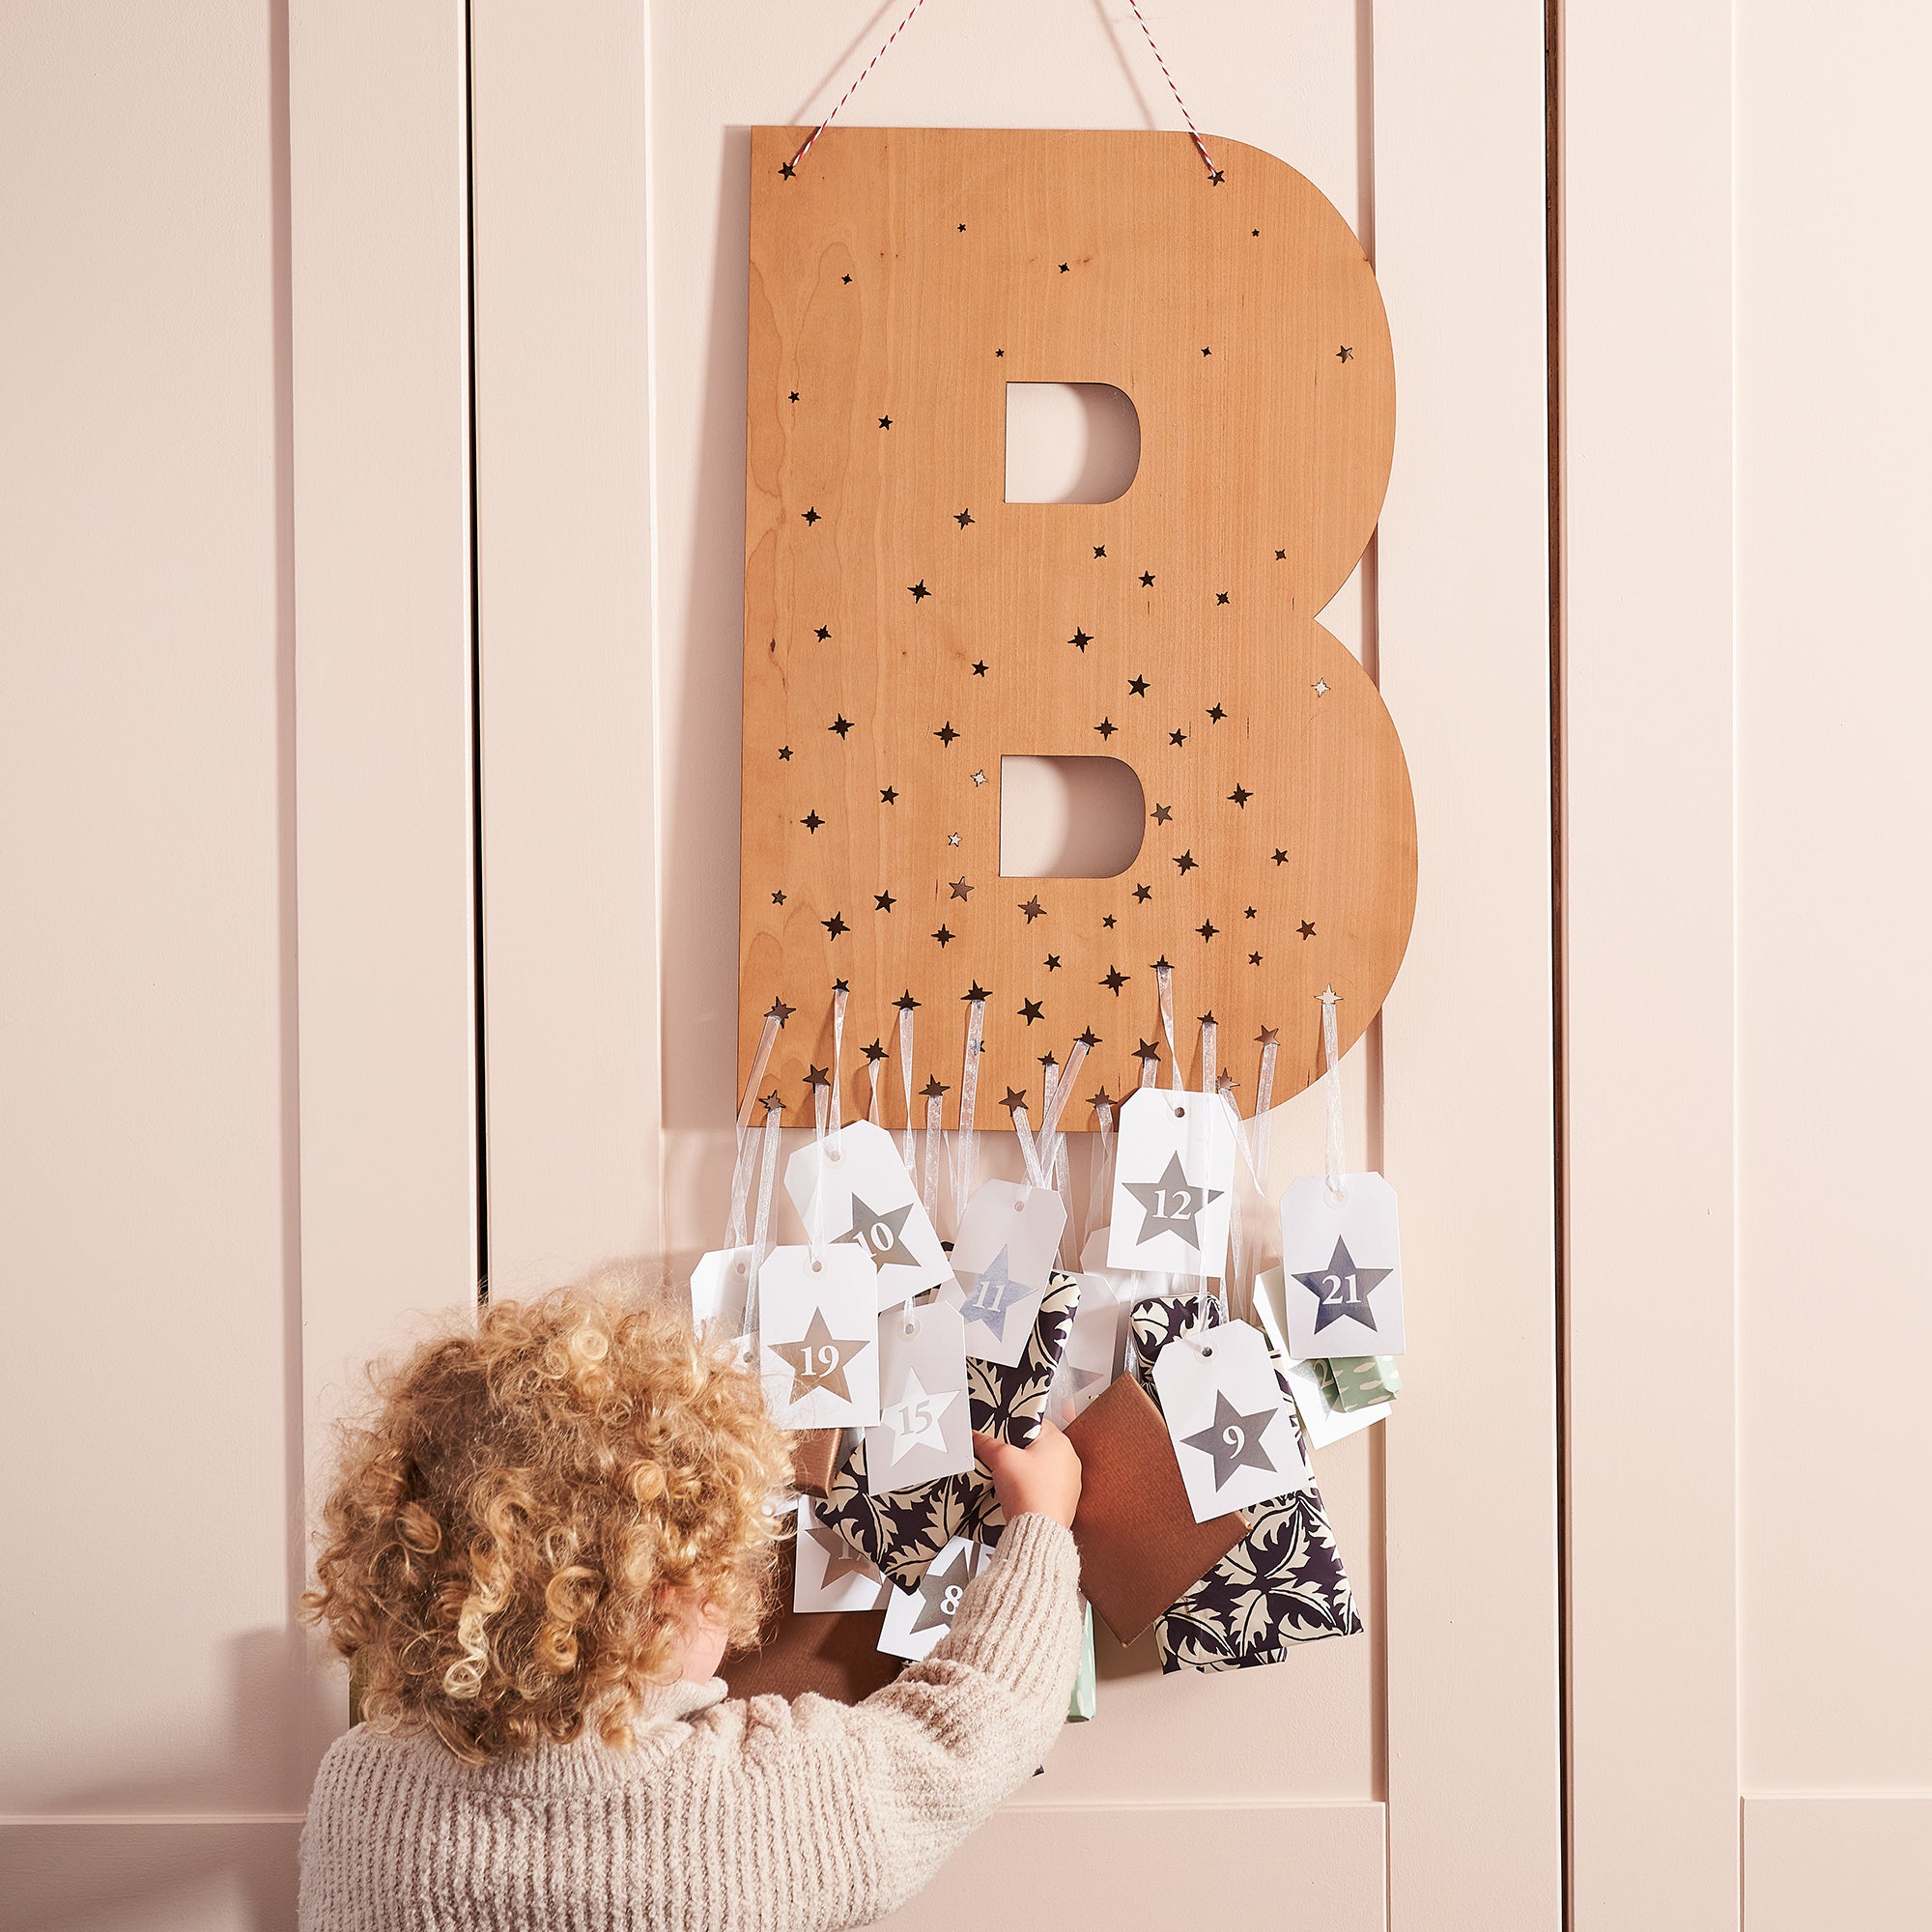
<point>906,628</point>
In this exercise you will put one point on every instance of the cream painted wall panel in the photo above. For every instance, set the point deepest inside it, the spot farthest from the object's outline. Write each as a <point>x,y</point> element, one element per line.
<point>1860,1859</point>
<point>564,601</point>
<point>149,1423</point>
<point>1834,877</point>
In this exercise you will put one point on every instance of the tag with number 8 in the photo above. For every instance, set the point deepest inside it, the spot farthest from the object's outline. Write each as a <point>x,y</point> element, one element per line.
<point>917,1619</point>
<point>818,1338</point>
<point>1232,1435</point>
<point>1341,1266</point>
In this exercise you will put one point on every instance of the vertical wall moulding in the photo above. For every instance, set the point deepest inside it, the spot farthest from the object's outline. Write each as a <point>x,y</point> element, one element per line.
<point>906,627</point>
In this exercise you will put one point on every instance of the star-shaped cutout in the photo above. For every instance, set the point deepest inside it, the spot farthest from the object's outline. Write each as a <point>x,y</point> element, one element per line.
<point>780,1011</point>
<point>1146,580</point>
<point>1143,894</point>
<point>905,1002</point>
<point>836,925</point>
<point>816,1077</point>
<point>1100,1098</point>
<point>1099,550</point>
<point>793,397</point>
<point>1107,922</point>
<point>1079,639</point>
<point>1106,728</point>
<point>1147,1050</point>
<point>914,1418</point>
<point>823,632</point>
<point>1115,980</point>
<point>884,901</point>
<point>1220,597</point>
<point>1254,959</point>
<point>786,170</point>
<point>1032,909</point>
<point>1047,1059</point>
<point>1343,1288</point>
<point>881,1235</point>
<point>952,837</point>
<point>1207,928</point>
<point>1172,1204</point>
<point>1267,1037</point>
<point>810,516</point>
<point>1177,736</point>
<point>976,991</point>
<point>935,1088</point>
<point>1208,1019</point>
<point>1241,796</point>
<point>818,1359</point>
<point>1281,556</point>
<point>1029,1010</point>
<point>1344,354</point>
<point>965,519</point>
<point>1138,686</point>
<point>1234,1439</point>
<point>1207,351</point>
<point>811,820</point>
<point>995,1295</point>
<point>771,1102</point>
<point>961,890</point>
<point>1215,712</point>
<point>1216,176</point>
<point>1187,862</point>
<point>1064,267</point>
<point>1319,687</point>
<point>944,935</point>
<point>889,796</point>
<point>981,666</point>
<point>784,755</point>
<point>1053,962</point>
<point>932,1591</point>
<point>777,898</point>
<point>1279,856</point>
<point>846,278</point>
<point>1015,1097</point>
<point>840,1558</point>
<point>946,733</point>
<point>1162,814</point>
<point>885,422</point>
<point>920,593</point>
<point>839,726</point>
<point>1306,930</point>
<point>876,1052</point>
<point>1087,1039</point>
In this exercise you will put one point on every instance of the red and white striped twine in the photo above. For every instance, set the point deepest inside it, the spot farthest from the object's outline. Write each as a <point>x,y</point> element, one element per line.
<point>854,88</point>
<point>1200,146</point>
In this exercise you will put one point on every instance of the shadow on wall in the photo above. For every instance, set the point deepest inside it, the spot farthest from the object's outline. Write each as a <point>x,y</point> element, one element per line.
<point>164,1846</point>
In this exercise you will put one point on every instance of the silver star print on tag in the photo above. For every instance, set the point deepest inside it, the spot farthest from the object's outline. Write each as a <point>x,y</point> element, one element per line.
<point>995,1295</point>
<point>1234,1439</point>
<point>914,1419</point>
<point>1173,1183</point>
<point>1335,1303</point>
<point>880,1234</point>
<point>1234,1434</point>
<point>1172,1204</point>
<point>1343,1287</point>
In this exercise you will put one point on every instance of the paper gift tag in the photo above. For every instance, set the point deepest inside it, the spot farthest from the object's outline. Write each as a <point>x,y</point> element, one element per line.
<point>818,1338</point>
<point>719,1286</point>
<point>829,1574</point>
<point>1232,1435</point>
<point>1174,1177</point>
<point>1002,1258</point>
<point>1341,1266</point>
<point>1322,1419</point>
<point>925,1429</point>
<point>870,1203</point>
<point>917,1619</point>
<point>1092,1357</point>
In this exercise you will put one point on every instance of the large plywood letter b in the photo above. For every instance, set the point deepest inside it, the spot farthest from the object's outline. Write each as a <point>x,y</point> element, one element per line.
<point>906,628</point>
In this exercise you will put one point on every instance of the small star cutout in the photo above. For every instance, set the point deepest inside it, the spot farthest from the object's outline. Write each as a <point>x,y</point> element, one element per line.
<point>1161,965</point>
<point>1146,580</point>
<point>1208,1019</point>
<point>1031,1010</point>
<point>1241,796</point>
<point>952,837</point>
<point>1079,639</point>
<point>1254,959</point>
<point>1220,596</point>
<point>780,1011</point>
<point>846,278</point>
<point>841,725</point>
<point>1279,856</point>
<point>1344,354</point>
<point>962,228</point>
<point>810,516</point>
<point>1053,962</point>
<point>1047,1058</point>
<point>1162,814</point>
<point>1100,1098</point>
<point>905,1002</point>
<point>1267,1037</point>
<point>1306,930</point>
<point>1106,728</point>
<point>889,796</point>
<point>884,901</point>
<point>821,633</point>
<point>1187,862</point>
<point>1248,911</point>
<point>944,936</point>
<point>1064,267</point>
<point>1215,712</point>
<point>840,986</point>
<point>1138,686</point>
<point>999,351</point>
<point>793,397</point>
<point>1147,1050</point>
<point>1087,1039</point>
<point>1032,908</point>
<point>978,777</point>
<point>946,733</point>
<point>1321,687</point>
<point>876,1052</point>
<point>1281,556</point>
<point>817,1077</point>
<point>812,821</point>
<point>1115,980</point>
<point>1207,928</point>
<point>976,991</point>
<point>885,422</point>
<point>1143,894</point>
<point>836,925</point>
<point>1108,923</point>
<point>771,1102</point>
<point>1177,736</point>
<point>981,667</point>
<point>777,898</point>
<point>786,170</point>
<point>784,755</point>
<point>1207,351</point>
<point>935,1088</point>
<point>1099,550</point>
<point>961,890</point>
<point>920,593</point>
<point>965,519</point>
<point>1216,176</point>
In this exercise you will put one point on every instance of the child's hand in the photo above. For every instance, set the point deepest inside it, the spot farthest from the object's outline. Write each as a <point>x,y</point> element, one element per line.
<point>1043,1480</point>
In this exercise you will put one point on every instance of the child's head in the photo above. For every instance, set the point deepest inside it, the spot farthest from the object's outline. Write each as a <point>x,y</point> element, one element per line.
<point>528,1529</point>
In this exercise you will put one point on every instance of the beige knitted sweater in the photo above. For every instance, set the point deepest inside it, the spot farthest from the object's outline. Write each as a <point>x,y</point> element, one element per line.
<point>759,1814</point>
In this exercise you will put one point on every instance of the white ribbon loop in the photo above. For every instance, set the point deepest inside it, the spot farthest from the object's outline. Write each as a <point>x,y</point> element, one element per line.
<point>966,1148</point>
<point>1331,1097</point>
<point>761,1237</point>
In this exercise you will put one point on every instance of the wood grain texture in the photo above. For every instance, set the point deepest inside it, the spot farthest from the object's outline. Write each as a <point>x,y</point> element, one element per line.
<point>905,627</point>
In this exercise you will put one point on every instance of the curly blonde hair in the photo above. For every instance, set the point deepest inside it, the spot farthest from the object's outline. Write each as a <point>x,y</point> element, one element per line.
<point>506,1530</point>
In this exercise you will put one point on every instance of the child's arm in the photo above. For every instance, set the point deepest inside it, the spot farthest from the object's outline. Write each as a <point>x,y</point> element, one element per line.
<point>827,1815</point>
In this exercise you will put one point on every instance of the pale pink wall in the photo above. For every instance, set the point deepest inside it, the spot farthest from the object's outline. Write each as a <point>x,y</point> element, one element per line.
<point>149,1423</point>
